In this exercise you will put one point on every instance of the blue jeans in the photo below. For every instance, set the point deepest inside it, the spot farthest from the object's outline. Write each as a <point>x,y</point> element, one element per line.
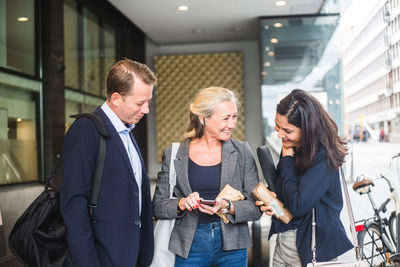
<point>206,250</point>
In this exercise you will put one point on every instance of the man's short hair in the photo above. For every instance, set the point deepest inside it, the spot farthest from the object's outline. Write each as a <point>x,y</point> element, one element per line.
<point>122,75</point>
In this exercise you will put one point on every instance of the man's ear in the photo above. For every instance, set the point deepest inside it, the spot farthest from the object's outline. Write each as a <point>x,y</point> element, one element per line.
<point>116,99</point>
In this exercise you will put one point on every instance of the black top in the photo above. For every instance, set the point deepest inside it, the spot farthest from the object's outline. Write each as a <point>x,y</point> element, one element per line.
<point>206,181</point>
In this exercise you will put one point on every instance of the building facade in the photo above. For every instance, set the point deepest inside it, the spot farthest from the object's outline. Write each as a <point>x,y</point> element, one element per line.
<point>371,71</point>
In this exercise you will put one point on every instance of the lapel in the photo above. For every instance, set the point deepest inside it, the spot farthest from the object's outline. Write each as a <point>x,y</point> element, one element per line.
<point>144,172</point>
<point>229,156</point>
<point>181,167</point>
<point>114,136</point>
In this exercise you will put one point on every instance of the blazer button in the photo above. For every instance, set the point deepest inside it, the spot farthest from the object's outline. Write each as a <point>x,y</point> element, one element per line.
<point>137,222</point>
<point>136,194</point>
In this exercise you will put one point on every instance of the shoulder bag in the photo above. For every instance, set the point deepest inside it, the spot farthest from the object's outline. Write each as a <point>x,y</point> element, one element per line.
<point>358,262</point>
<point>38,237</point>
<point>162,232</point>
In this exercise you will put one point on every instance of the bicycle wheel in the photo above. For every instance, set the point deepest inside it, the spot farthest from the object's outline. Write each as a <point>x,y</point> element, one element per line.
<point>393,227</point>
<point>372,246</point>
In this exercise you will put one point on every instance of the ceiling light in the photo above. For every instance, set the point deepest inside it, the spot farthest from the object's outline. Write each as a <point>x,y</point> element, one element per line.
<point>198,31</point>
<point>267,64</point>
<point>277,25</point>
<point>236,29</point>
<point>274,40</point>
<point>280,3</point>
<point>266,27</point>
<point>264,73</point>
<point>267,48</point>
<point>19,119</point>
<point>271,53</point>
<point>22,19</point>
<point>183,8</point>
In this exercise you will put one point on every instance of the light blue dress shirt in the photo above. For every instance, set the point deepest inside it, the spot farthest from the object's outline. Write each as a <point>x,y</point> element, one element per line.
<point>130,148</point>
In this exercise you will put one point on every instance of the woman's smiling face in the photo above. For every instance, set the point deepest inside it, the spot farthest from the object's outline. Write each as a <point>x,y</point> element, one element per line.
<point>222,122</point>
<point>290,134</point>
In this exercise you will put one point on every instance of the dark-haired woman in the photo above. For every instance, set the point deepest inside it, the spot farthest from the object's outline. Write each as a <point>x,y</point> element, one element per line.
<point>308,169</point>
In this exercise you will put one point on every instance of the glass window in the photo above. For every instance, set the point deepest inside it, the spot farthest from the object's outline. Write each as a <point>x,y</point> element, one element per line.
<point>17,35</point>
<point>91,53</point>
<point>109,53</point>
<point>76,102</point>
<point>18,140</point>
<point>300,52</point>
<point>90,49</point>
<point>71,45</point>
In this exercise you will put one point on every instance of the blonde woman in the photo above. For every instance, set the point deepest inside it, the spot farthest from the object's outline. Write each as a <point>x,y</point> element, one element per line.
<point>207,161</point>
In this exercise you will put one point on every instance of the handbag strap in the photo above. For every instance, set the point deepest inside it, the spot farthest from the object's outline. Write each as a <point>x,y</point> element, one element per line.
<point>351,217</point>
<point>172,172</point>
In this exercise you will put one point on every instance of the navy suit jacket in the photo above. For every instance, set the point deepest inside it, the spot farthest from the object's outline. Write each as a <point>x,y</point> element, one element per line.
<point>112,236</point>
<point>319,188</point>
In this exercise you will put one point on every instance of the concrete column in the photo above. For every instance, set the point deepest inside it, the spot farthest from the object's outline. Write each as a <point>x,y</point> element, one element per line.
<point>53,80</point>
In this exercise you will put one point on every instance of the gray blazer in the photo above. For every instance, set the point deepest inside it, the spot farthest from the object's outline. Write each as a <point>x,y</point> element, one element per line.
<point>238,170</point>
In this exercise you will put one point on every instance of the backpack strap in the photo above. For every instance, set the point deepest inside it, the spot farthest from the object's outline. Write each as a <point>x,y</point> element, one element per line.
<point>101,128</point>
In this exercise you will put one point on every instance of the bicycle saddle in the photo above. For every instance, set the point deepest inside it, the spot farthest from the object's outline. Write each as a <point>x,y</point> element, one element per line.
<point>395,258</point>
<point>363,185</point>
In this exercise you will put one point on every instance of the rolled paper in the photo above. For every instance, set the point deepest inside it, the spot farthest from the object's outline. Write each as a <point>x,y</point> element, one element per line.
<point>230,193</point>
<point>281,212</point>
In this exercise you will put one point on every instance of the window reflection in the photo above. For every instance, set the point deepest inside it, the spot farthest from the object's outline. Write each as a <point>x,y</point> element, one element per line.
<point>18,145</point>
<point>300,52</point>
<point>71,45</point>
<point>76,102</point>
<point>90,49</point>
<point>91,53</point>
<point>17,35</point>
<point>109,54</point>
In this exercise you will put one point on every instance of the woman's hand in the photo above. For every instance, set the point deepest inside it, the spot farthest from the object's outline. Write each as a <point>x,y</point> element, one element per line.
<point>264,208</point>
<point>221,203</point>
<point>287,151</point>
<point>190,202</point>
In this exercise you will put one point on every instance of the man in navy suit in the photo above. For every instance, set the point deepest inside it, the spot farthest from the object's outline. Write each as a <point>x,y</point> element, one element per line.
<point>119,233</point>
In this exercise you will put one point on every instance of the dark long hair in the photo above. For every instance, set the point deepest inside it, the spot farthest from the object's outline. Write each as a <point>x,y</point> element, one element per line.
<point>317,128</point>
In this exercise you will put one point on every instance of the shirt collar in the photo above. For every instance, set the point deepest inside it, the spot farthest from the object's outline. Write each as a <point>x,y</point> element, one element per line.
<point>116,122</point>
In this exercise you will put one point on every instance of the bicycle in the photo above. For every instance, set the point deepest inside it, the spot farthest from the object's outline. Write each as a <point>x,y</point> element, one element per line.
<point>377,236</point>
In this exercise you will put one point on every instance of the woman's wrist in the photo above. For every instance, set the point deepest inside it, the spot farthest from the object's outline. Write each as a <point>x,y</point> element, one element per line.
<point>228,208</point>
<point>181,204</point>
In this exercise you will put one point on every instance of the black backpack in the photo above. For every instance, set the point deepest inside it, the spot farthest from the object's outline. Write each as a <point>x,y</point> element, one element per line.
<point>38,237</point>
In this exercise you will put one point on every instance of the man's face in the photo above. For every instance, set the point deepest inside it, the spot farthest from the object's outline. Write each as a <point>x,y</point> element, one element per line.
<point>132,107</point>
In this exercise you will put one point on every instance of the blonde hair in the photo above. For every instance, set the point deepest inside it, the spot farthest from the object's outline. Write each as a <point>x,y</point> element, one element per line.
<point>204,104</point>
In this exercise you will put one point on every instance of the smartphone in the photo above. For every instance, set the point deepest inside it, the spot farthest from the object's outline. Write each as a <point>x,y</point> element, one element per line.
<point>208,202</point>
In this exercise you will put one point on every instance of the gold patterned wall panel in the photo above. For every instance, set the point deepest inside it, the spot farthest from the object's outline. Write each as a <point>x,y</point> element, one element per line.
<point>180,77</point>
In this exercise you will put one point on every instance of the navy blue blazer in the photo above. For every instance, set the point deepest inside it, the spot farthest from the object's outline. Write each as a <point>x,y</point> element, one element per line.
<point>318,188</point>
<point>112,237</point>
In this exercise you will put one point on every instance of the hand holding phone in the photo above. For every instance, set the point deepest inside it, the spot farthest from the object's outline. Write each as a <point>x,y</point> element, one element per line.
<point>208,202</point>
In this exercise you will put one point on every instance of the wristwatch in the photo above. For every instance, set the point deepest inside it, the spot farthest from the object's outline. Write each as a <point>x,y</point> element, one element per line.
<point>227,207</point>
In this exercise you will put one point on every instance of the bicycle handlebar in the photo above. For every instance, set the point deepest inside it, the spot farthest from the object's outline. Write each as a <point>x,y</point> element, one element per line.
<point>390,165</point>
<point>383,206</point>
